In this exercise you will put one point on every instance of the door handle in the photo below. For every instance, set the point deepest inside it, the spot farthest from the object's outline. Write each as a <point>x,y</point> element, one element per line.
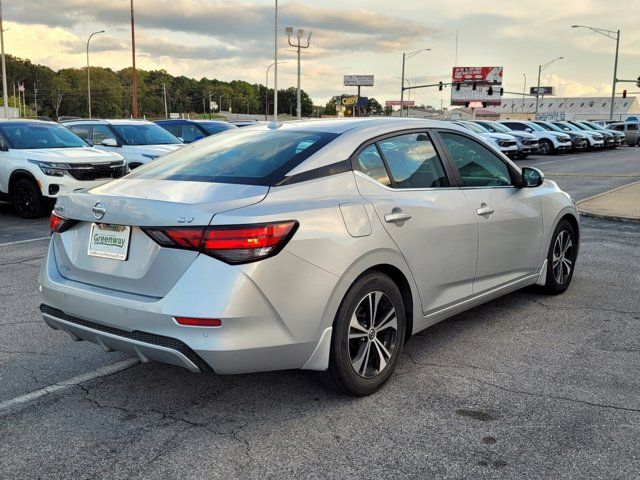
<point>485,210</point>
<point>396,217</point>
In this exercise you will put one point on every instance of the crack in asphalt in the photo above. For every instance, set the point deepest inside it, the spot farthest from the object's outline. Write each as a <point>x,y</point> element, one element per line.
<point>23,262</point>
<point>524,392</point>
<point>594,309</point>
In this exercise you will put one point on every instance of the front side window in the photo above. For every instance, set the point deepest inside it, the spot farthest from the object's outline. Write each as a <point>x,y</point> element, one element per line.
<point>34,136</point>
<point>81,130</point>
<point>101,133</point>
<point>191,133</point>
<point>515,126</point>
<point>371,164</point>
<point>413,161</point>
<point>172,129</point>
<point>478,166</point>
<point>251,157</point>
<point>144,134</point>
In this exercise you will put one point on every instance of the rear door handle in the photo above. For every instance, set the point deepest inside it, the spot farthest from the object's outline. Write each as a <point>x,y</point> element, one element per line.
<point>396,217</point>
<point>485,210</point>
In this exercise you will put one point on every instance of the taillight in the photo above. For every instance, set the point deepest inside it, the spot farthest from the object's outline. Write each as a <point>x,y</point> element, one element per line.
<point>230,243</point>
<point>60,224</point>
<point>199,322</point>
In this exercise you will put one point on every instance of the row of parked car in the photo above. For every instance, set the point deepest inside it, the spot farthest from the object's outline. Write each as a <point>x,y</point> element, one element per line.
<point>43,159</point>
<point>521,138</point>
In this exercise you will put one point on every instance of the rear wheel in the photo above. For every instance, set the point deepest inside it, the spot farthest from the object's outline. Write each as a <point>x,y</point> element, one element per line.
<point>561,258</point>
<point>27,199</point>
<point>368,336</point>
<point>546,147</point>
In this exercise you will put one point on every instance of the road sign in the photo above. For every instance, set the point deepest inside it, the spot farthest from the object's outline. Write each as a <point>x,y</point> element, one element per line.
<point>347,101</point>
<point>213,106</point>
<point>543,90</point>
<point>466,94</point>
<point>358,80</point>
<point>491,75</point>
<point>174,115</point>
<point>396,103</point>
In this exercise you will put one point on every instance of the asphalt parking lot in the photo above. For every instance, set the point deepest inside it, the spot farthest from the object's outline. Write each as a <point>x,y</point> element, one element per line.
<point>527,386</point>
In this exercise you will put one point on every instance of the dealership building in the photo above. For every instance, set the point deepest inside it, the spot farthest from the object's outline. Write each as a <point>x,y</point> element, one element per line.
<point>563,108</point>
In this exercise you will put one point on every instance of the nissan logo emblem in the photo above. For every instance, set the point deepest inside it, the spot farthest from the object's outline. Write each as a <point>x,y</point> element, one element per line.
<point>99,210</point>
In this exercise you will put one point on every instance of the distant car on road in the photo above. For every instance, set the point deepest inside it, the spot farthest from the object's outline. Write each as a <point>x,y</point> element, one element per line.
<point>631,131</point>
<point>316,245</point>
<point>192,130</point>
<point>579,140</point>
<point>138,141</point>
<point>527,142</point>
<point>506,143</point>
<point>41,160</point>
<point>549,142</point>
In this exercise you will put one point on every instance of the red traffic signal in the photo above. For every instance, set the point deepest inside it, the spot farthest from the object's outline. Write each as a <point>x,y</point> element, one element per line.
<point>624,94</point>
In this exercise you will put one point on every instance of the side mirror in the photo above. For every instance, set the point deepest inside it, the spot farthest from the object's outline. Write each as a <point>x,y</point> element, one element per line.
<point>530,130</point>
<point>89,142</point>
<point>531,177</point>
<point>109,142</point>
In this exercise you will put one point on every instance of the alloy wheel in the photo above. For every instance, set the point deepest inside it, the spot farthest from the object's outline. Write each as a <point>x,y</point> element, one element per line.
<point>373,332</point>
<point>562,260</point>
<point>24,199</point>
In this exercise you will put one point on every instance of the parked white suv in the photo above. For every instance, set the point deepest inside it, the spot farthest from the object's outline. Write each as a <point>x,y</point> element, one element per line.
<point>138,141</point>
<point>506,143</point>
<point>41,160</point>
<point>548,141</point>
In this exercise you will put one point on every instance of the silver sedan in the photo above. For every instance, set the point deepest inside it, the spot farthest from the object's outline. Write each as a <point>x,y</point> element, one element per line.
<point>319,245</point>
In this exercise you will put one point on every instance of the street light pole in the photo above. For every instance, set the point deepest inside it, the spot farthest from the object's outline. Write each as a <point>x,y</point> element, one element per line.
<point>405,57</point>
<point>524,89</point>
<point>275,70</point>
<point>88,71</point>
<point>134,76</point>
<point>613,36</point>
<point>540,68</point>
<point>266,95</point>
<point>5,94</point>
<point>298,46</point>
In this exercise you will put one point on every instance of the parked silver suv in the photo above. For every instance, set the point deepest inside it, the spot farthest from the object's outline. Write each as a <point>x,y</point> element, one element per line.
<point>631,131</point>
<point>321,245</point>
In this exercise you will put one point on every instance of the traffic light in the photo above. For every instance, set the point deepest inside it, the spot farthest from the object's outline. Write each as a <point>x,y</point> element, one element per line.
<point>474,85</point>
<point>440,86</point>
<point>638,82</point>
<point>457,87</point>
<point>490,91</point>
<point>624,94</point>
<point>501,91</point>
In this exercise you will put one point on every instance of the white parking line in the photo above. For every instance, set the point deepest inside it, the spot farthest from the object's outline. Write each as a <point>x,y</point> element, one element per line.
<point>25,241</point>
<point>85,377</point>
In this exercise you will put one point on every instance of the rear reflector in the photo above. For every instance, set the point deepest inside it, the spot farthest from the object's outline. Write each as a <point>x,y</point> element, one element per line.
<point>60,224</point>
<point>230,243</point>
<point>199,322</point>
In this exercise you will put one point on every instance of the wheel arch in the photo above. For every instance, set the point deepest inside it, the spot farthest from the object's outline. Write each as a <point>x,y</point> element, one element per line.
<point>18,175</point>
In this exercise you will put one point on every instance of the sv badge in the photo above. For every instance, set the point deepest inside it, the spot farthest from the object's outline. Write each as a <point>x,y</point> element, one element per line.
<point>185,219</point>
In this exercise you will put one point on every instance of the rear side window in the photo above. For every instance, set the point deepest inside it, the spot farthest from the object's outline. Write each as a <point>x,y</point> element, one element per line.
<point>413,161</point>
<point>172,129</point>
<point>81,130</point>
<point>191,133</point>
<point>632,126</point>
<point>371,164</point>
<point>251,157</point>
<point>101,133</point>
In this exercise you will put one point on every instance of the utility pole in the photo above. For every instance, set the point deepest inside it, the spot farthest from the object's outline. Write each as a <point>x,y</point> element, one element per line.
<point>88,72</point>
<point>275,70</point>
<point>164,95</point>
<point>524,90</point>
<point>35,98</point>
<point>540,68</point>
<point>5,93</point>
<point>210,106</point>
<point>299,47</point>
<point>134,76</point>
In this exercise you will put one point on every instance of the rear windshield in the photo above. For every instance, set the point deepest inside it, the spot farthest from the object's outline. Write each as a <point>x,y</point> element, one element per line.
<point>251,157</point>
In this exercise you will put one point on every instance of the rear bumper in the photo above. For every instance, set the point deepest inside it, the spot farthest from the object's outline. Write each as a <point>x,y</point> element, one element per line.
<point>263,328</point>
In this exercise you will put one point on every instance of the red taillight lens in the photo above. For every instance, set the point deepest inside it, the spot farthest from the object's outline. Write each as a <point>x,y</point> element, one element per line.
<point>199,322</point>
<point>230,243</point>
<point>60,224</point>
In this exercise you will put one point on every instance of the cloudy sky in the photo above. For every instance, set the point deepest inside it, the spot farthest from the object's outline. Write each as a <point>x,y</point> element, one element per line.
<point>229,40</point>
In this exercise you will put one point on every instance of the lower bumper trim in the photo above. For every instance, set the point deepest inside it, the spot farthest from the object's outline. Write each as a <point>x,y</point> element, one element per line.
<point>121,337</point>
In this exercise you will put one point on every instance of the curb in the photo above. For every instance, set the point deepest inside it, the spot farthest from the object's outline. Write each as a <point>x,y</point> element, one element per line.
<point>602,216</point>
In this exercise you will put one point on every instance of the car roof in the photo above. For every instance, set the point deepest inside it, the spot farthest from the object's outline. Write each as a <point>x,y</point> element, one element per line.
<point>23,121</point>
<point>186,121</point>
<point>101,121</point>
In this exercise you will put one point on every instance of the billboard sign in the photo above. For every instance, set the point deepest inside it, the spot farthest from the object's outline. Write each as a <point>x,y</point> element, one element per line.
<point>466,94</point>
<point>396,103</point>
<point>348,101</point>
<point>358,80</point>
<point>492,75</point>
<point>542,90</point>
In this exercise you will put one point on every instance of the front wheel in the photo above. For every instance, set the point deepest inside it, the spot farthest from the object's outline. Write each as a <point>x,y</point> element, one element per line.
<point>27,199</point>
<point>561,258</point>
<point>368,336</point>
<point>546,147</point>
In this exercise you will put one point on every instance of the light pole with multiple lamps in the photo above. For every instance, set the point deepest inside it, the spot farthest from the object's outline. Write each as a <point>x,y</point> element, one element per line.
<point>88,71</point>
<point>299,46</point>
<point>266,95</point>
<point>613,36</point>
<point>406,56</point>
<point>540,69</point>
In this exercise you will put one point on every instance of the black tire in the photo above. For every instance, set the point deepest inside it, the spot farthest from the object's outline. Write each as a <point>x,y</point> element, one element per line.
<point>546,147</point>
<point>346,352</point>
<point>27,199</point>
<point>133,166</point>
<point>557,283</point>
<point>522,156</point>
